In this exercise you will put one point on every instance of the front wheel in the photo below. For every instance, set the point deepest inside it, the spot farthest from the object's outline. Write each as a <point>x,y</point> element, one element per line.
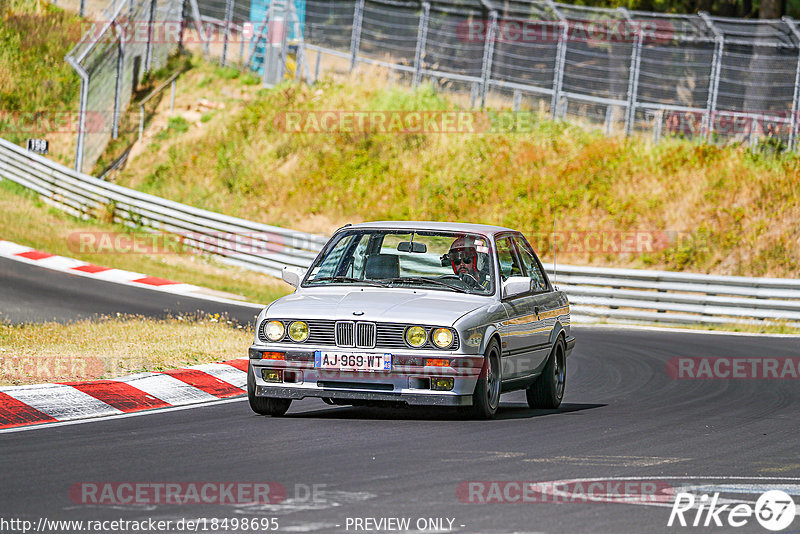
<point>548,390</point>
<point>264,405</point>
<point>486,398</point>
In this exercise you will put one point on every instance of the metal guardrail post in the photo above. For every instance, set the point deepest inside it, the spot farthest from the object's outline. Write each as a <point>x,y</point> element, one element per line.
<point>355,40</point>
<point>796,95</point>
<point>422,39</point>
<point>633,81</point>
<point>227,30</point>
<point>488,56</point>
<point>713,82</point>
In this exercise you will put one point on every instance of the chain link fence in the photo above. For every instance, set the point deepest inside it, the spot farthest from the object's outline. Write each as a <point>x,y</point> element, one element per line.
<point>707,78</point>
<point>122,43</point>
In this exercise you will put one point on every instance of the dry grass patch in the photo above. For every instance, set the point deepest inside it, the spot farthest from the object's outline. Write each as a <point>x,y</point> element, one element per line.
<point>112,347</point>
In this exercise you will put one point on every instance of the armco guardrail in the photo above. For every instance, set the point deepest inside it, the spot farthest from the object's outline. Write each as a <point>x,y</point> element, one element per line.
<point>252,245</point>
<point>615,294</point>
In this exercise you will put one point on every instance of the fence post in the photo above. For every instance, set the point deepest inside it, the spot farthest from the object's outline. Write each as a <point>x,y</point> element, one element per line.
<point>355,41</point>
<point>561,54</point>
<point>82,10</point>
<point>227,30</point>
<point>713,82</point>
<point>118,88</point>
<point>796,95</point>
<point>658,120</point>
<point>488,55</point>
<point>633,82</point>
<point>148,58</point>
<point>422,38</point>
<point>198,21</point>
<point>84,98</point>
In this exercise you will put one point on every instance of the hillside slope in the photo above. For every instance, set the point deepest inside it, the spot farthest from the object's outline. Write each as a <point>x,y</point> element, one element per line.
<point>620,202</point>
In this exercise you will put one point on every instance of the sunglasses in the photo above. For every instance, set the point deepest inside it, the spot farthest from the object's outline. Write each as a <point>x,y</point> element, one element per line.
<point>461,258</point>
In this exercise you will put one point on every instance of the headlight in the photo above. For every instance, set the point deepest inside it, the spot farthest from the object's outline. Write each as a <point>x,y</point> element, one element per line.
<point>442,337</point>
<point>415,336</point>
<point>298,331</point>
<point>274,330</point>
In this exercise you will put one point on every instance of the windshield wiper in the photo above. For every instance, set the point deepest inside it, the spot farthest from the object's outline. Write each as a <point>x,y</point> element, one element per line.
<point>349,279</point>
<point>418,279</point>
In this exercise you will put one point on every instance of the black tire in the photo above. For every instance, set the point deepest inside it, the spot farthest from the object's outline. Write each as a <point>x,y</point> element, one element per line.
<point>264,405</point>
<point>486,398</point>
<point>548,390</point>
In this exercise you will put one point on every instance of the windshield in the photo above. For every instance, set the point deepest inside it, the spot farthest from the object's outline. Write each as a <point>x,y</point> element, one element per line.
<point>443,261</point>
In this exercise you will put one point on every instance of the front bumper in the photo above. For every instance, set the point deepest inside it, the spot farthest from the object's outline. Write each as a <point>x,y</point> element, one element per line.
<point>413,399</point>
<point>403,384</point>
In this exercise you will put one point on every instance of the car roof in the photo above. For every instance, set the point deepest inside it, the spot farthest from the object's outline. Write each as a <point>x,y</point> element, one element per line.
<point>485,229</point>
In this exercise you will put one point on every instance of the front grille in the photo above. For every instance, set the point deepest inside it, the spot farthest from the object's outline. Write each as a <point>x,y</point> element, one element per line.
<point>353,334</point>
<point>363,335</point>
<point>345,334</point>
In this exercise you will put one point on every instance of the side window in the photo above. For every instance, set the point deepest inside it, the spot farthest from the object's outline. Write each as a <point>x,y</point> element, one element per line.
<point>507,258</point>
<point>531,265</point>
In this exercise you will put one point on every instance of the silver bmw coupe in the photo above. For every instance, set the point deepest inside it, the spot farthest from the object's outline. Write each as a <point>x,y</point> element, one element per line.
<point>414,313</point>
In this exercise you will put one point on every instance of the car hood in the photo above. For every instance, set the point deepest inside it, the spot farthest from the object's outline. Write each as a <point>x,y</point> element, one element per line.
<point>376,304</point>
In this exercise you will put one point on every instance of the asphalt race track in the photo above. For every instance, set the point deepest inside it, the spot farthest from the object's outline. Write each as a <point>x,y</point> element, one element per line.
<point>33,294</point>
<point>623,416</point>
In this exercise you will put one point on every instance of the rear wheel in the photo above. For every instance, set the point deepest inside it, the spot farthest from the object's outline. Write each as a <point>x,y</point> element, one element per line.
<point>486,398</point>
<point>264,405</point>
<point>548,390</point>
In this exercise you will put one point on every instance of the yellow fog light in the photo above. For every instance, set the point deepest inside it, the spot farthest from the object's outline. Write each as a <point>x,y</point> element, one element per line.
<point>442,337</point>
<point>298,331</point>
<point>272,375</point>
<point>442,384</point>
<point>274,330</point>
<point>415,336</point>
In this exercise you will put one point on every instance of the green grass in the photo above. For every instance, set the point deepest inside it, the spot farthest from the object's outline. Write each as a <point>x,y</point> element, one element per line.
<point>38,89</point>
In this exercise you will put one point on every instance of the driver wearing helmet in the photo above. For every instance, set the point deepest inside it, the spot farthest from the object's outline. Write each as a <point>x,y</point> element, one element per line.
<point>463,258</point>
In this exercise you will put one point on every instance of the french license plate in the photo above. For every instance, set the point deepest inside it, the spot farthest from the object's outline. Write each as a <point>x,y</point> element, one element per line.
<point>348,361</point>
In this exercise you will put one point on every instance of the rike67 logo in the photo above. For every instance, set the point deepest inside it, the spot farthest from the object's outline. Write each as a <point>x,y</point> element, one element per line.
<point>774,510</point>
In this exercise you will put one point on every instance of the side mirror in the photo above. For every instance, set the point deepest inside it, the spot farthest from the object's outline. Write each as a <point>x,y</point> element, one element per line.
<point>516,285</point>
<point>292,276</point>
